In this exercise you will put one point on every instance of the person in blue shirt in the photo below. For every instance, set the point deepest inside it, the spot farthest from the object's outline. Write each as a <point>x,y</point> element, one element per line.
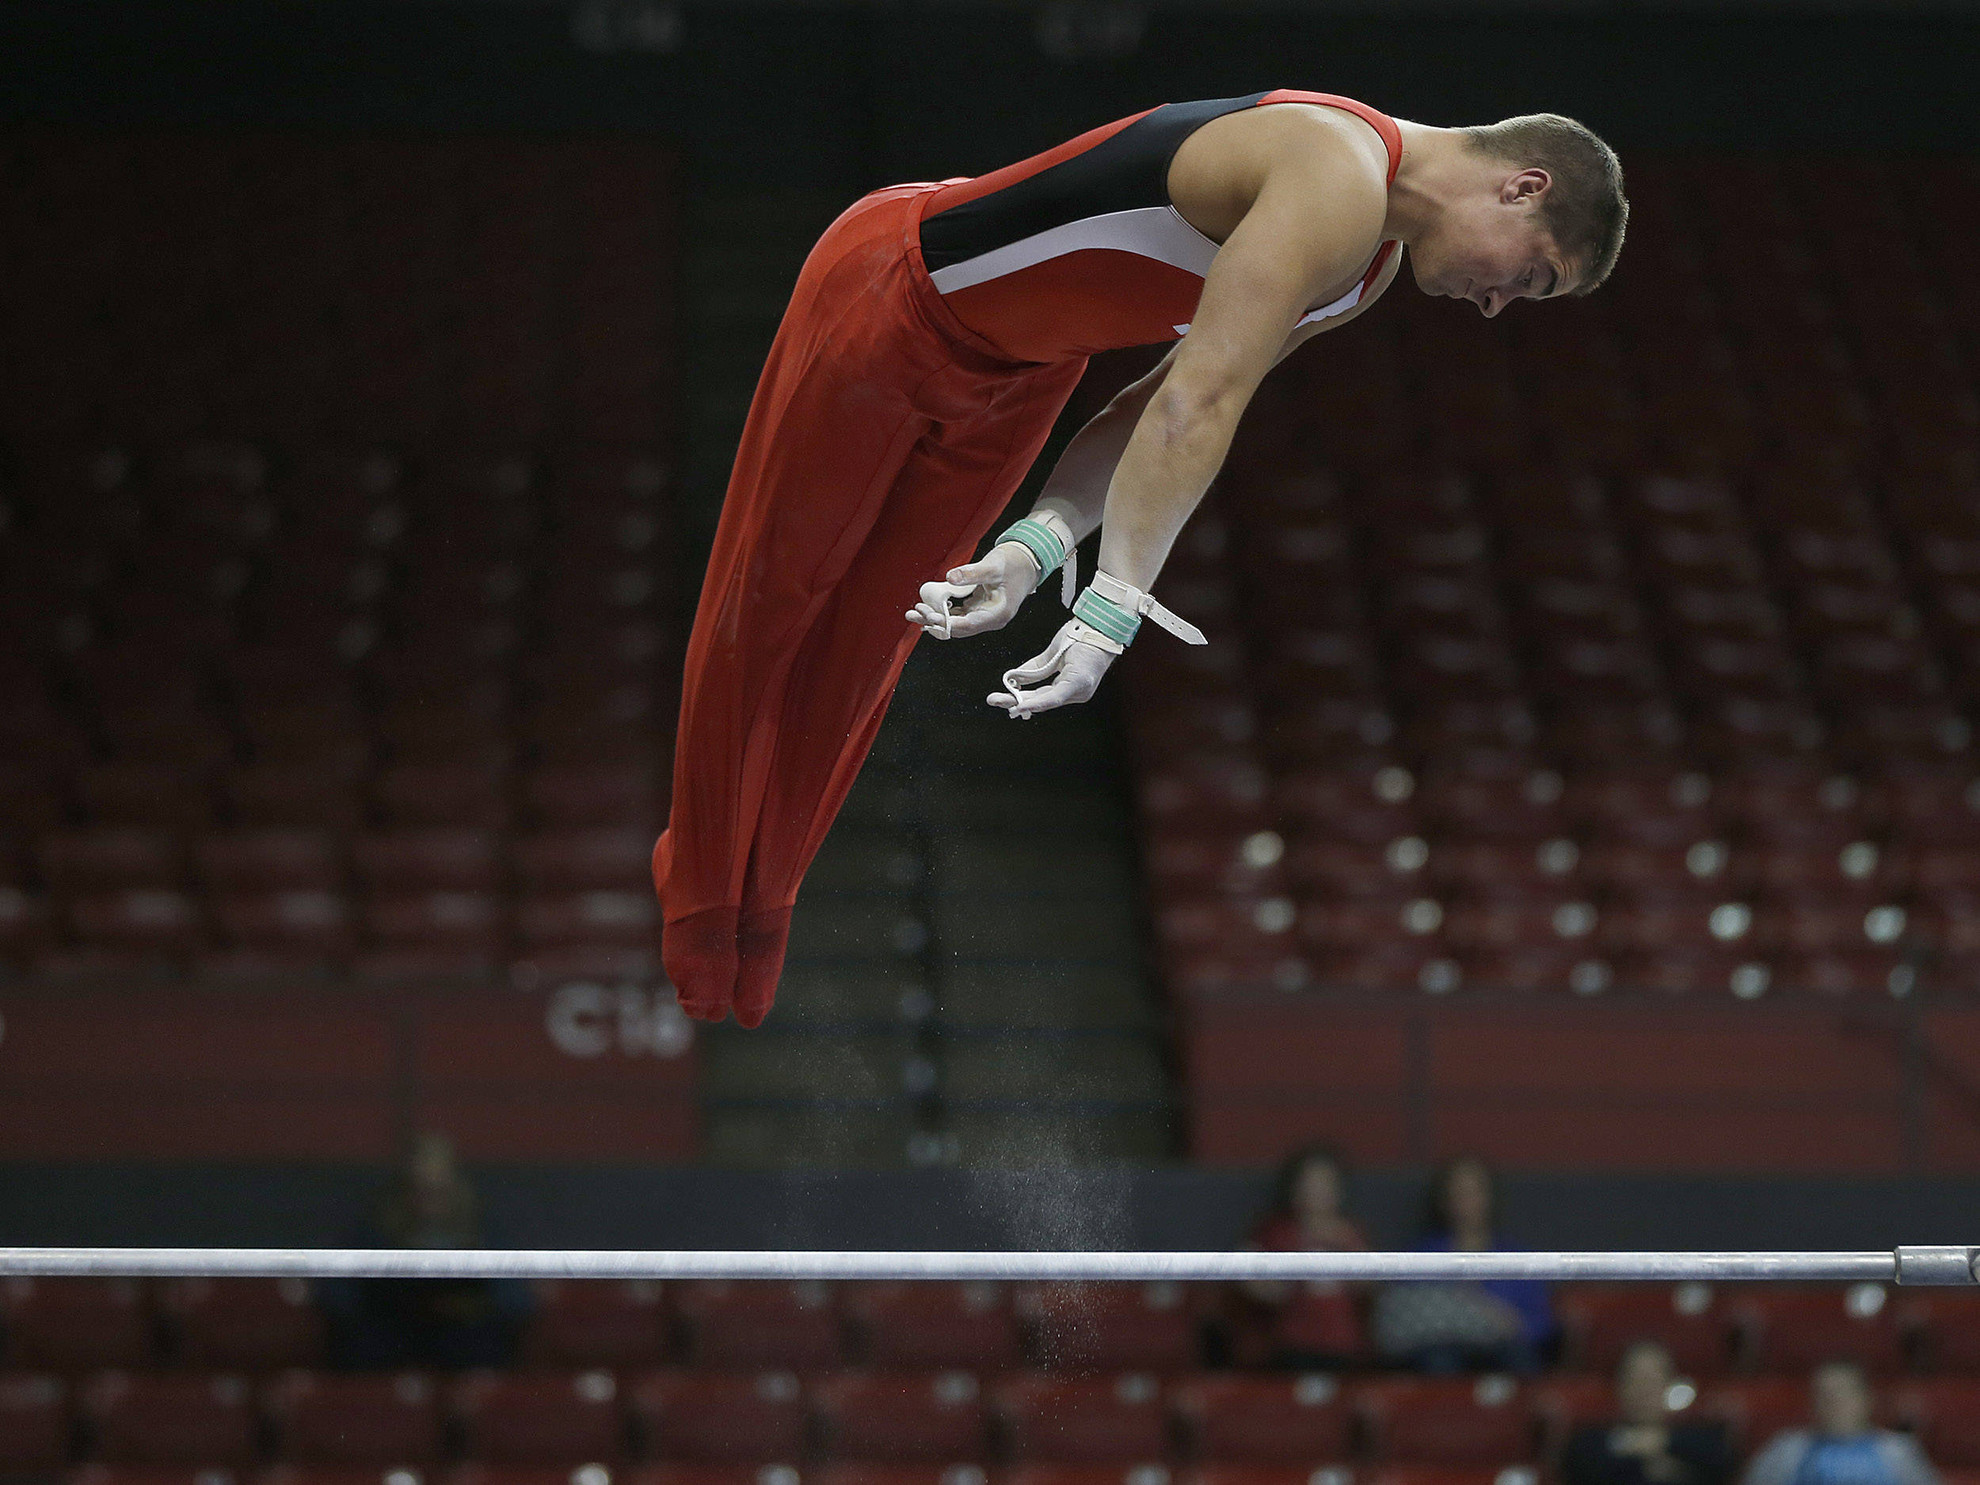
<point>1844,1447</point>
<point>1491,1325</point>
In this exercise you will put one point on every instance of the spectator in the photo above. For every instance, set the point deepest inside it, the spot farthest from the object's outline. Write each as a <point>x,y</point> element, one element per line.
<point>1644,1446</point>
<point>1489,1325</point>
<point>1844,1447</point>
<point>1314,1325</point>
<point>425,1322</point>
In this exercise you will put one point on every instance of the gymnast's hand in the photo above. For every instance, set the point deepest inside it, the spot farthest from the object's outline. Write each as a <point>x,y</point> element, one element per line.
<point>1069,671</point>
<point>978,596</point>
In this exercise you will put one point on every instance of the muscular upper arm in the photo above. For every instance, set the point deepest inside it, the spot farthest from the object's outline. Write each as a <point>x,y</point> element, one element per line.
<point>1316,219</point>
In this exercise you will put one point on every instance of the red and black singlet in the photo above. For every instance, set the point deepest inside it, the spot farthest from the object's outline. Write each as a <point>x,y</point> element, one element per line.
<point>1079,249</point>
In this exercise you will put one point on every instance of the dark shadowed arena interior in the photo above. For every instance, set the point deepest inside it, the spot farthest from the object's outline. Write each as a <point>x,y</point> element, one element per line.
<point>1567,839</point>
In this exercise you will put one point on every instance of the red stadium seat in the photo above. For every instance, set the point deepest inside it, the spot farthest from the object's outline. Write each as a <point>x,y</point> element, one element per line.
<point>1265,1474</point>
<point>1211,791</point>
<point>1085,1474</point>
<point>34,1425</point>
<point>174,1418</point>
<point>27,925</point>
<point>596,1323</point>
<point>1447,1474</point>
<point>598,919</point>
<point>405,862</point>
<point>344,1474</point>
<point>1564,1404</point>
<point>1945,1415</point>
<point>1304,1420</point>
<point>1112,1327</point>
<point>902,1418</point>
<point>540,1419</point>
<point>259,861</point>
<point>250,1324</point>
<point>598,794</point>
<point>110,859</point>
<point>294,796</point>
<point>1098,1420</point>
<point>1479,1421</point>
<point>159,1474</point>
<point>1232,865</point>
<point>584,860</point>
<point>1755,1409</point>
<point>481,1472</point>
<point>460,793</point>
<point>913,1324</point>
<point>150,922</point>
<point>1949,1331</point>
<point>448,927</point>
<point>870,1473</point>
<point>156,796</point>
<point>717,1418</point>
<point>759,1325</point>
<point>712,1474</point>
<point>309,925</point>
<point>77,1324</point>
<point>1692,1321</point>
<point>356,1420</point>
<point>1793,1329</point>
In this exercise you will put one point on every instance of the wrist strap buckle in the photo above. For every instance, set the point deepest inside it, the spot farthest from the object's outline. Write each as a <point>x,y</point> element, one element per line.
<point>1136,602</point>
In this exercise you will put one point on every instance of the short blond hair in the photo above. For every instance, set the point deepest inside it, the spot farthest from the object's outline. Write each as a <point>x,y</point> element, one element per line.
<point>1585,208</point>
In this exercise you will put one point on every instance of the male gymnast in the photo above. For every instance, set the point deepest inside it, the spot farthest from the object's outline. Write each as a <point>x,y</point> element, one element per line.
<point>935,333</point>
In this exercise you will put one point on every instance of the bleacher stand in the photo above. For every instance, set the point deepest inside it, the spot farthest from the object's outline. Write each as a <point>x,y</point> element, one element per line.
<point>340,611</point>
<point>112,1416</point>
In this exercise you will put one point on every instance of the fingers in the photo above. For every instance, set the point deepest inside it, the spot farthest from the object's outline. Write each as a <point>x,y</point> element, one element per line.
<point>979,620</point>
<point>932,612</point>
<point>1068,672</point>
<point>938,595</point>
<point>933,622</point>
<point>972,573</point>
<point>1067,690</point>
<point>1039,667</point>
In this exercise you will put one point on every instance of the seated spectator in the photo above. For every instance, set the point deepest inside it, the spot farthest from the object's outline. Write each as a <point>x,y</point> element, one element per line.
<point>377,1323</point>
<point>1490,1325</point>
<point>1843,1448</point>
<point>1645,1445</point>
<point>1315,1325</point>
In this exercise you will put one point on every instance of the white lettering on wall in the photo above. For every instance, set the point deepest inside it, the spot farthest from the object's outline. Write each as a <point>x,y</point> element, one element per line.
<point>586,1019</point>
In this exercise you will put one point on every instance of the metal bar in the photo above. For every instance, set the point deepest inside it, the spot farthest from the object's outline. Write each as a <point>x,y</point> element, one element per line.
<point>1935,1265</point>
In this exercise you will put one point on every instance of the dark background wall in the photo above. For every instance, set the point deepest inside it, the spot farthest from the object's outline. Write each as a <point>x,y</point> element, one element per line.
<point>866,94</point>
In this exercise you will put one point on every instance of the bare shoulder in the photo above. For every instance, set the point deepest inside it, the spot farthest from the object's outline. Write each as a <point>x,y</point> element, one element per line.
<point>1333,139</point>
<point>1223,167</point>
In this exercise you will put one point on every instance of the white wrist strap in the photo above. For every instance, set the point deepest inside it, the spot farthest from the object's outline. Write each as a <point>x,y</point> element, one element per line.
<point>1068,580</point>
<point>1086,634</point>
<point>1137,602</point>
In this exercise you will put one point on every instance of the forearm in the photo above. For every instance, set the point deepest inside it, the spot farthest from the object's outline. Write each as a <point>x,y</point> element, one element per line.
<point>1077,488</point>
<point>1175,452</point>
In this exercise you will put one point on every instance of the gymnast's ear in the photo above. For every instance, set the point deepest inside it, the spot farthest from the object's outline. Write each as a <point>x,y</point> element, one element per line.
<point>1530,185</point>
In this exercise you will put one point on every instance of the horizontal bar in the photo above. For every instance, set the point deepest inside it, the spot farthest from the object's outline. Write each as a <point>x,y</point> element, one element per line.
<point>1937,1265</point>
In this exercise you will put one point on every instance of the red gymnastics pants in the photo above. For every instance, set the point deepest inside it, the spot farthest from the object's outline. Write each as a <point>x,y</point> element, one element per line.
<point>883,440</point>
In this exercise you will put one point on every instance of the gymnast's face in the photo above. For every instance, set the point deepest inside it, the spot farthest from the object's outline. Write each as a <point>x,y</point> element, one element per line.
<point>1491,246</point>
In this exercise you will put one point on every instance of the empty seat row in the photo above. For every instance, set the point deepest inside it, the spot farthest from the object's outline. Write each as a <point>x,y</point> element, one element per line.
<point>257,1326</point>
<point>907,1418</point>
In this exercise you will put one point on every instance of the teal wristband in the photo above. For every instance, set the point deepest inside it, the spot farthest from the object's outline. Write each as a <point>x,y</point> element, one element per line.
<point>1041,541</point>
<point>1106,616</point>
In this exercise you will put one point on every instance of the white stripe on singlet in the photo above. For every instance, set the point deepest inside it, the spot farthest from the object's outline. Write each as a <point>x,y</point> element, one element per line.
<point>1157,232</point>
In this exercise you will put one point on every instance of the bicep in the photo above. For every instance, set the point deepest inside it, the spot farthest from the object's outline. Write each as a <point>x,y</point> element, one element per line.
<point>1282,253</point>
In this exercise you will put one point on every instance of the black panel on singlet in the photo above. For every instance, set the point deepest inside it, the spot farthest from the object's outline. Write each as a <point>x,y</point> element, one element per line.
<point>1124,172</point>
